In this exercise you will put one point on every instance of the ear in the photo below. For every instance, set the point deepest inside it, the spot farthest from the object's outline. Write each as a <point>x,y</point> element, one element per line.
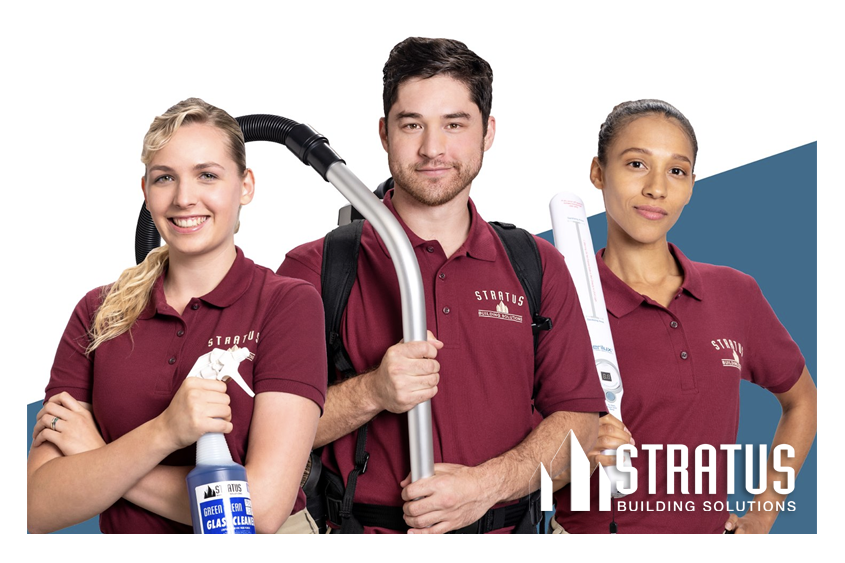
<point>491,133</point>
<point>691,188</point>
<point>144,191</point>
<point>596,173</point>
<point>382,132</point>
<point>248,187</point>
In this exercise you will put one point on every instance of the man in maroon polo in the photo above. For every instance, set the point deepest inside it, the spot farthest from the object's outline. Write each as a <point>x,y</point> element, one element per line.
<point>478,364</point>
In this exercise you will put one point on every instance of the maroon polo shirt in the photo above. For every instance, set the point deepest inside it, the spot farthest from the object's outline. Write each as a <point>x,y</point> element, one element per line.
<point>476,306</point>
<point>130,380</point>
<point>681,366</point>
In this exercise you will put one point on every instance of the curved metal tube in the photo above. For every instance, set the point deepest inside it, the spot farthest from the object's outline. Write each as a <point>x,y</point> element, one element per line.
<point>412,297</point>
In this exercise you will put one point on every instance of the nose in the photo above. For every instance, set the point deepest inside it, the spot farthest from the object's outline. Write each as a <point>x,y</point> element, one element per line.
<point>185,195</point>
<point>655,186</point>
<point>433,143</point>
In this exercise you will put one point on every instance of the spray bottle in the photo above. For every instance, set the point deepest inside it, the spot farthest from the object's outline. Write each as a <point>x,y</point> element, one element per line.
<point>217,486</point>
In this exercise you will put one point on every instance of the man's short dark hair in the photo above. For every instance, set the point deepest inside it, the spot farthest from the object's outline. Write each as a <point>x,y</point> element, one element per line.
<point>421,57</point>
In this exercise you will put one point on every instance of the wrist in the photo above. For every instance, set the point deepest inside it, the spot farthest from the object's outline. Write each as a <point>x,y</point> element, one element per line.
<point>490,481</point>
<point>766,518</point>
<point>757,510</point>
<point>158,436</point>
<point>368,393</point>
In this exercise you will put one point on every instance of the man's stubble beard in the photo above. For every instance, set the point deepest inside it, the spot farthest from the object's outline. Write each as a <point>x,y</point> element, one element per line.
<point>436,191</point>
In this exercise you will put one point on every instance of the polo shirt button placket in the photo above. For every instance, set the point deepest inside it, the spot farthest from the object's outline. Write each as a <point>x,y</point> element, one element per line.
<point>442,276</point>
<point>674,324</point>
<point>446,310</point>
<point>684,355</point>
<point>195,306</point>
<point>180,333</point>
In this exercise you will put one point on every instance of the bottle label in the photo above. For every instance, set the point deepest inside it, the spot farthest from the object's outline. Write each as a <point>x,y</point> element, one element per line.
<point>225,508</point>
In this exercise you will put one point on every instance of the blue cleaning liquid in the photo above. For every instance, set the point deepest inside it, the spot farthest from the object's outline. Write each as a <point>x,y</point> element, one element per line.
<point>218,490</point>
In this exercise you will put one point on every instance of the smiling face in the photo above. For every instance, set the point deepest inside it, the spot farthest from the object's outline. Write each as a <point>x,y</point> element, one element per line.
<point>647,179</point>
<point>434,138</point>
<point>194,189</point>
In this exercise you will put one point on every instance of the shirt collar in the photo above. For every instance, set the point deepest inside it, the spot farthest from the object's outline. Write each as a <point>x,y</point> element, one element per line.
<point>233,285</point>
<point>480,243</point>
<point>620,299</point>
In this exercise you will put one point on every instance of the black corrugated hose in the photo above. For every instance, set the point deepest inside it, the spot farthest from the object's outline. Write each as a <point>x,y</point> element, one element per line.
<point>309,146</point>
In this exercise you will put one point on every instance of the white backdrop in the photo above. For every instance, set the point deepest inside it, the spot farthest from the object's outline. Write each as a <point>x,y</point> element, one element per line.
<point>83,80</point>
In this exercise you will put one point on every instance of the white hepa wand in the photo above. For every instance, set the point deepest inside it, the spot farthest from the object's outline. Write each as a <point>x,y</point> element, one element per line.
<point>217,486</point>
<point>572,238</point>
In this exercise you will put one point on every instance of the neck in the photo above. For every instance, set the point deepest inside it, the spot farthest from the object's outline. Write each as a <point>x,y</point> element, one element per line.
<point>638,263</point>
<point>194,276</point>
<point>448,223</point>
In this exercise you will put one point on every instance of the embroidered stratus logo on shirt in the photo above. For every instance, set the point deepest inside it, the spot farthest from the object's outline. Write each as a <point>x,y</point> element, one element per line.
<point>734,347</point>
<point>237,339</point>
<point>502,312</point>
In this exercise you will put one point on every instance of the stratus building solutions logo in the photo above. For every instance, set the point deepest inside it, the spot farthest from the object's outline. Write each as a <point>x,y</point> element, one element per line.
<point>734,347</point>
<point>503,298</point>
<point>579,471</point>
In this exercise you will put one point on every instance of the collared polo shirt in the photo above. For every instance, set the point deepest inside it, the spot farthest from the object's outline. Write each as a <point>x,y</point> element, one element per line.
<point>131,379</point>
<point>476,306</point>
<point>681,366</point>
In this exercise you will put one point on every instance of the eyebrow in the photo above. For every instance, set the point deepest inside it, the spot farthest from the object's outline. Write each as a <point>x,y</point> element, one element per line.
<point>414,115</point>
<point>648,152</point>
<point>200,166</point>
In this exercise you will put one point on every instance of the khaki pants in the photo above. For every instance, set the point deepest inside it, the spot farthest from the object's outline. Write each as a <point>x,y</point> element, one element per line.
<point>556,528</point>
<point>299,523</point>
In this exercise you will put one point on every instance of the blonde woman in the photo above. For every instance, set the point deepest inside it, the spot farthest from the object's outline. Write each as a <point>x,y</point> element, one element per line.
<point>117,431</point>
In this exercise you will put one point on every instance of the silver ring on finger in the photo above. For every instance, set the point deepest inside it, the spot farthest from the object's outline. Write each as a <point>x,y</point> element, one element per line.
<point>53,424</point>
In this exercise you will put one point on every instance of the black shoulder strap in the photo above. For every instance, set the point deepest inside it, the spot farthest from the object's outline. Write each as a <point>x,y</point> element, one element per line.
<point>340,266</point>
<point>337,276</point>
<point>525,259</point>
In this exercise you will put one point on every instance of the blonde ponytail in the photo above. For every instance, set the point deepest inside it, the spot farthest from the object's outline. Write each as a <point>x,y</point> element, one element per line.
<point>127,298</point>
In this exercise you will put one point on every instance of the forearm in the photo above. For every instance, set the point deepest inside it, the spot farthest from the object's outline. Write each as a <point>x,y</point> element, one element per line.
<point>349,405</point>
<point>797,428</point>
<point>514,474</point>
<point>66,490</point>
<point>281,434</point>
<point>273,492</point>
<point>163,491</point>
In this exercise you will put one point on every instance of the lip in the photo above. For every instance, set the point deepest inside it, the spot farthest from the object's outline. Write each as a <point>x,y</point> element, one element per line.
<point>189,229</point>
<point>651,212</point>
<point>438,171</point>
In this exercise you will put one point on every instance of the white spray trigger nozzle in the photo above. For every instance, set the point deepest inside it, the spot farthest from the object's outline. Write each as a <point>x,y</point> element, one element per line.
<point>223,365</point>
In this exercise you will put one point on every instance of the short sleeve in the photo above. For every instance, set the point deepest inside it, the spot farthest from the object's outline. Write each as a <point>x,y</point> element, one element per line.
<point>291,352</point>
<point>73,369</point>
<point>773,359</point>
<point>565,373</point>
<point>304,262</point>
